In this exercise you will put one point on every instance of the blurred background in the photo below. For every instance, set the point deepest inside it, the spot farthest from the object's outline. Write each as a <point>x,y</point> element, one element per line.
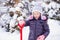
<point>11,11</point>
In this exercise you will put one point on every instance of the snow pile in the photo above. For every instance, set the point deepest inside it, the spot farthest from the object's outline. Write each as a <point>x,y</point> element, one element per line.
<point>54,30</point>
<point>9,36</point>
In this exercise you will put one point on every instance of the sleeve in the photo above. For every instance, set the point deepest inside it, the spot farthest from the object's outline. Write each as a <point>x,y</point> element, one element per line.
<point>27,23</point>
<point>46,29</point>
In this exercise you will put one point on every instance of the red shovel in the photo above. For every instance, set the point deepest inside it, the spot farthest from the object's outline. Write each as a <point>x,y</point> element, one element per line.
<point>21,25</point>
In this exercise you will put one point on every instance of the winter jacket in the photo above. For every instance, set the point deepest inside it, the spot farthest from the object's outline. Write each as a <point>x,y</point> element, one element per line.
<point>37,28</point>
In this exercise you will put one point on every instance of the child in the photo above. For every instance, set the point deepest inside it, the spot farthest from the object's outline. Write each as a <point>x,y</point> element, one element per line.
<point>39,28</point>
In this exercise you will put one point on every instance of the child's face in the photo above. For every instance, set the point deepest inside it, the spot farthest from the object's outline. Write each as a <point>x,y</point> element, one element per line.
<point>36,14</point>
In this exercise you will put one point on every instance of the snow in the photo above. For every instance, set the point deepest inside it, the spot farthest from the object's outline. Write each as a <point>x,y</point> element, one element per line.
<point>53,24</point>
<point>54,32</point>
<point>9,36</point>
<point>25,33</point>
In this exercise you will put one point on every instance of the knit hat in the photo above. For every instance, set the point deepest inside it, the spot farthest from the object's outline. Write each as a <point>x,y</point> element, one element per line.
<point>37,8</point>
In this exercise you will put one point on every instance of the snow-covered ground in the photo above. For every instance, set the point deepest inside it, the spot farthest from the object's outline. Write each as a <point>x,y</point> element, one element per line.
<point>54,32</point>
<point>9,36</point>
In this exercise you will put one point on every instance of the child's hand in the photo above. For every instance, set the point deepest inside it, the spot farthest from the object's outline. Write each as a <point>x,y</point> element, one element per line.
<point>42,37</point>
